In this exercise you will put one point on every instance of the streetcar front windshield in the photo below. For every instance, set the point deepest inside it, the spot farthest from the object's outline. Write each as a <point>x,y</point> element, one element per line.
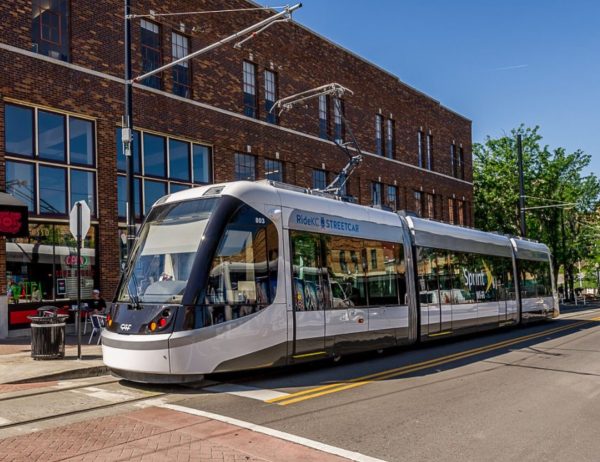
<point>166,250</point>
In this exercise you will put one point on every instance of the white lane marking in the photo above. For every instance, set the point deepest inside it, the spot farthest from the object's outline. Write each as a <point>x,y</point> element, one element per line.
<point>276,433</point>
<point>4,421</point>
<point>244,391</point>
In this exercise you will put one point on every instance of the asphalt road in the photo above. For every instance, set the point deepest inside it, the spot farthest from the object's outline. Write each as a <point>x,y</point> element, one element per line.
<point>520,394</point>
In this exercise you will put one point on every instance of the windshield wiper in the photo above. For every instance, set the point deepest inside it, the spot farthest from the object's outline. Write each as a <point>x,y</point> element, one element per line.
<point>133,294</point>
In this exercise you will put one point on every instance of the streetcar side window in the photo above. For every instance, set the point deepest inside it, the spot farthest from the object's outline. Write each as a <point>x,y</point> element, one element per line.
<point>309,274</point>
<point>323,276</point>
<point>243,273</point>
<point>347,278</point>
<point>463,278</point>
<point>534,278</point>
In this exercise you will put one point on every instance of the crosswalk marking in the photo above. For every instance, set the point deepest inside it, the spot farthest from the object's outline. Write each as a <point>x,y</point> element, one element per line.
<point>244,391</point>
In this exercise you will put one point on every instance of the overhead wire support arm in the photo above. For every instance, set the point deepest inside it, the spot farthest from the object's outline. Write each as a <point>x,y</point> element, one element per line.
<point>337,90</point>
<point>287,103</point>
<point>261,25</point>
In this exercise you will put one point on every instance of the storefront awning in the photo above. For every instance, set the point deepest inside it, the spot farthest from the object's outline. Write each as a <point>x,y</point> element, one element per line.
<point>13,216</point>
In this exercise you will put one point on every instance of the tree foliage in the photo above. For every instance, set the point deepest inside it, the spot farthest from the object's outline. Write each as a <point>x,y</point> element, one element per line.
<point>569,223</point>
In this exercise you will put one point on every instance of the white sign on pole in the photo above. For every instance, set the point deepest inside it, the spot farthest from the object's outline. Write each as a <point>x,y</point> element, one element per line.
<point>85,219</point>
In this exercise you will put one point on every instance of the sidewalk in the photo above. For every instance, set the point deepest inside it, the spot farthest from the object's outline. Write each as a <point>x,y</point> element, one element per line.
<point>156,434</point>
<point>18,367</point>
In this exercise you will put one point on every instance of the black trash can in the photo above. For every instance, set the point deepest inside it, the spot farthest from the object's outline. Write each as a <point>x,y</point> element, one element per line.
<point>48,336</point>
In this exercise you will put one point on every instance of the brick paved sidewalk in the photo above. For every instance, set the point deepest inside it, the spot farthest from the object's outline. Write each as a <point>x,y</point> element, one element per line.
<point>155,434</point>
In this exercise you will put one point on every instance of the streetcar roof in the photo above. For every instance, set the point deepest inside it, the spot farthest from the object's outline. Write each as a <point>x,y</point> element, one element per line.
<point>530,250</point>
<point>439,235</point>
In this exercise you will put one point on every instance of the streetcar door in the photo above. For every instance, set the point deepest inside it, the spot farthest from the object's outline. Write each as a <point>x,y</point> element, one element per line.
<point>429,291</point>
<point>310,289</point>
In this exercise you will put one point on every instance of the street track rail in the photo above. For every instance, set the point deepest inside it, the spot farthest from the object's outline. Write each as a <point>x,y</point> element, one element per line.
<point>51,390</point>
<point>80,411</point>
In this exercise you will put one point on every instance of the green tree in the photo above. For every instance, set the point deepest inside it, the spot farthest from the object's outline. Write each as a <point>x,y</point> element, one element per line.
<point>568,201</point>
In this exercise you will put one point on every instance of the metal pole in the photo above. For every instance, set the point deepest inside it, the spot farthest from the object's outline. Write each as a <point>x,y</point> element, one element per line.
<point>78,280</point>
<point>285,13</point>
<point>521,186</point>
<point>564,255</point>
<point>127,134</point>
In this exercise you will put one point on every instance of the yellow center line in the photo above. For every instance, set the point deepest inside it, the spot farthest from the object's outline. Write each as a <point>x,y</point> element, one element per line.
<point>359,381</point>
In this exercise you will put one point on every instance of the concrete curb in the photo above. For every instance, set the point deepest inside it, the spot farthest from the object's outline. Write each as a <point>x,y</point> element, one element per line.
<point>81,373</point>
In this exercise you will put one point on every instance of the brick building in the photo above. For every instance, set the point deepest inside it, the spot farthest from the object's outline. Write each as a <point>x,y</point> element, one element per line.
<point>207,121</point>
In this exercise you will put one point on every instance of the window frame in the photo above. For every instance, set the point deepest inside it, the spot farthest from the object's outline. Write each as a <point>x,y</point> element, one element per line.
<point>271,79</point>
<point>250,82</point>
<point>270,164</point>
<point>390,138</point>
<point>238,156</point>
<point>379,149</point>
<point>187,65</point>
<point>324,129</point>
<point>156,80</point>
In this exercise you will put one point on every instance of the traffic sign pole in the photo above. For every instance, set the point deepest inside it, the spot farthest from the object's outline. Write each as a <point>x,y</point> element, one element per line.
<point>79,225</point>
<point>78,279</point>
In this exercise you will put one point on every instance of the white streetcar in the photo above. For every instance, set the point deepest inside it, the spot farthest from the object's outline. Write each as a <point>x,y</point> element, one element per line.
<point>247,275</point>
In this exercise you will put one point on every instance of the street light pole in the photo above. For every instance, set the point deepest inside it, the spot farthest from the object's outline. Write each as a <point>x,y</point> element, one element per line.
<point>127,132</point>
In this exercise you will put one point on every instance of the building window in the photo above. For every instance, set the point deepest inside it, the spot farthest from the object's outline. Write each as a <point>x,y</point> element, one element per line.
<point>451,210</point>
<point>44,186</point>
<point>249,75</point>
<point>273,170</point>
<point>18,130</point>
<point>429,151</point>
<point>392,197</point>
<point>181,72</point>
<point>153,190</point>
<point>429,205</point>
<point>420,148</point>
<point>453,160</point>
<point>83,188</point>
<point>338,120</point>
<point>179,160</point>
<point>319,179</point>
<point>379,135</point>
<point>323,117</point>
<point>376,192</point>
<point>270,96</point>
<point>154,155</point>
<point>50,28</point>
<point>461,163</point>
<point>390,139</point>
<point>151,55</point>
<point>81,141</point>
<point>188,163</point>
<point>20,182</point>
<point>51,136</point>
<point>460,214</point>
<point>418,203</point>
<point>245,167</point>
<point>202,164</point>
<point>53,190</point>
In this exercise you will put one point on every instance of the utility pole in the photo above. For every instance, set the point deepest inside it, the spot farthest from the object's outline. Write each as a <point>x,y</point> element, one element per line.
<point>127,133</point>
<point>521,186</point>
<point>564,247</point>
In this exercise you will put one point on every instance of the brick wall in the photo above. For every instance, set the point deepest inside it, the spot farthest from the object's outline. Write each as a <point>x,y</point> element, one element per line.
<point>302,61</point>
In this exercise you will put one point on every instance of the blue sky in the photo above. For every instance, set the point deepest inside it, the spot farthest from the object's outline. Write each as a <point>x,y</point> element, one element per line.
<point>498,62</point>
